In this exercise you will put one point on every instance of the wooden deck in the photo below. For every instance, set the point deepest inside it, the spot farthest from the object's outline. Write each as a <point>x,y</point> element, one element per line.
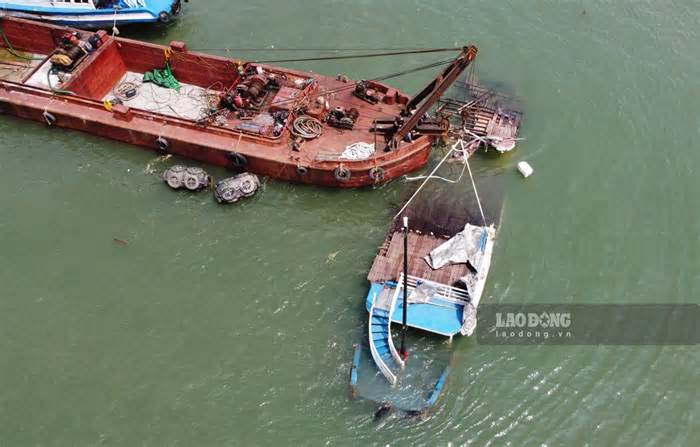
<point>484,112</point>
<point>13,68</point>
<point>388,265</point>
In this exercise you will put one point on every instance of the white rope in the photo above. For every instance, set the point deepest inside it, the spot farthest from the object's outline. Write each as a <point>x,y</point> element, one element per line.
<point>426,180</point>
<point>115,30</point>
<point>431,175</point>
<point>465,155</point>
<point>476,194</point>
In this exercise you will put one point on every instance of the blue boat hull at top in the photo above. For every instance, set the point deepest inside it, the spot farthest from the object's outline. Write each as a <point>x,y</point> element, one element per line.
<point>94,13</point>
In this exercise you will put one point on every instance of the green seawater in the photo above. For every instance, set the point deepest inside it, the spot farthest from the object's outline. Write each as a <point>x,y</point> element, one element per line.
<point>235,325</point>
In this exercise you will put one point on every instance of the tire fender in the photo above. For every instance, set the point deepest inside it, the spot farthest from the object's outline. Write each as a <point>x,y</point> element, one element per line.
<point>342,174</point>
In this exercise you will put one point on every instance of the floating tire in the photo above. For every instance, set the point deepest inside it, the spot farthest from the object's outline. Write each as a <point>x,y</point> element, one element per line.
<point>195,171</point>
<point>302,170</point>
<point>191,182</point>
<point>229,196</point>
<point>342,174</point>
<point>193,179</point>
<point>239,161</point>
<point>248,187</point>
<point>163,144</point>
<point>232,189</point>
<point>174,181</point>
<point>376,174</point>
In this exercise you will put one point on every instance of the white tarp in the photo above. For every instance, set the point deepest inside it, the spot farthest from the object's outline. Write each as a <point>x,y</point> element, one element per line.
<point>465,247</point>
<point>358,151</point>
<point>422,293</point>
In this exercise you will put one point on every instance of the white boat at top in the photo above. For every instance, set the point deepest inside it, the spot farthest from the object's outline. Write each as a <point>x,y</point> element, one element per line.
<point>94,13</point>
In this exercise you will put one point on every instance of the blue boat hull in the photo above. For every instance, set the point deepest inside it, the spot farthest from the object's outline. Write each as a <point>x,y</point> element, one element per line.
<point>445,319</point>
<point>158,11</point>
<point>420,388</point>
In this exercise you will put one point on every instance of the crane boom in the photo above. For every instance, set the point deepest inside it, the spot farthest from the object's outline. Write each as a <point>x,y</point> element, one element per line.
<point>414,111</point>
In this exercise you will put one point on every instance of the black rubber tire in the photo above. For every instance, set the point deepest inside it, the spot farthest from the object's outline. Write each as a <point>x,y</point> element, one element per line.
<point>376,174</point>
<point>342,174</point>
<point>164,17</point>
<point>302,170</point>
<point>163,144</point>
<point>238,161</point>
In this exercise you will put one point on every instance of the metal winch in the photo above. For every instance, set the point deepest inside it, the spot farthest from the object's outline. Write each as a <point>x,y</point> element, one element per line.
<point>342,118</point>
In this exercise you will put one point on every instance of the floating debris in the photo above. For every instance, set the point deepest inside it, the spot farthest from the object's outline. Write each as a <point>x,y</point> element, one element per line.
<point>194,179</point>
<point>525,169</point>
<point>382,411</point>
<point>482,116</point>
<point>232,189</point>
<point>151,166</point>
<point>121,242</point>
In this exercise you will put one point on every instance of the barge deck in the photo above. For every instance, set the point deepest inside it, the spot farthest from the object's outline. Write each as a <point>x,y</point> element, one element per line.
<point>226,112</point>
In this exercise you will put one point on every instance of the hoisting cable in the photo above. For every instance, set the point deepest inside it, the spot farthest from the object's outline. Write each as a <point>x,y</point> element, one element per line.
<point>476,193</point>
<point>425,181</point>
<point>431,175</point>
<point>465,154</point>
<point>308,50</point>
<point>379,78</point>
<point>359,56</point>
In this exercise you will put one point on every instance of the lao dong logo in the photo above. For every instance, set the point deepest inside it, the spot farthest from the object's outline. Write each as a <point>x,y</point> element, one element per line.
<point>532,320</point>
<point>532,327</point>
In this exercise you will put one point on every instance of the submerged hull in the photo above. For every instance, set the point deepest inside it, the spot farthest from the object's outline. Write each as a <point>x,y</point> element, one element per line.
<point>422,385</point>
<point>221,143</point>
<point>441,301</point>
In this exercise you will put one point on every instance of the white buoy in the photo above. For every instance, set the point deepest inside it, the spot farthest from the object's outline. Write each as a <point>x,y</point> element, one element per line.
<point>525,169</point>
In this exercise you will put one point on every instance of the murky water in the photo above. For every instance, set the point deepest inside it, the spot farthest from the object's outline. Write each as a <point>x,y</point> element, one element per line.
<point>235,325</point>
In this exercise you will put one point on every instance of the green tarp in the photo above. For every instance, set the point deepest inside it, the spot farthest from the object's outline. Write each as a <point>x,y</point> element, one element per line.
<point>162,78</point>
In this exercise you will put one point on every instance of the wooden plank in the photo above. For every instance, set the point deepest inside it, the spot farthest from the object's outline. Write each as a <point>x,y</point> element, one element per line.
<point>389,266</point>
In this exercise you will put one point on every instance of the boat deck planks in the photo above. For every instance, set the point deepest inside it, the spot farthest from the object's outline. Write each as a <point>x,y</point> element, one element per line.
<point>15,69</point>
<point>389,264</point>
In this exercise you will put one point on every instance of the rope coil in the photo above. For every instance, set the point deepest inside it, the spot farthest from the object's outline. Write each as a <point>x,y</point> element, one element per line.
<point>307,127</point>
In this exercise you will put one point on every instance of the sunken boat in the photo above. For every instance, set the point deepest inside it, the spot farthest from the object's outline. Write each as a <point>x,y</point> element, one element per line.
<point>427,281</point>
<point>281,123</point>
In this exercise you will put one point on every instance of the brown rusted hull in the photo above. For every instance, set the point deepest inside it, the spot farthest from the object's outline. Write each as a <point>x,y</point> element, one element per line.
<point>211,144</point>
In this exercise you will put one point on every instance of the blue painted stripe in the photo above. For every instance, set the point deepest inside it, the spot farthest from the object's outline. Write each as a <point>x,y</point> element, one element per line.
<point>355,366</point>
<point>482,242</point>
<point>439,387</point>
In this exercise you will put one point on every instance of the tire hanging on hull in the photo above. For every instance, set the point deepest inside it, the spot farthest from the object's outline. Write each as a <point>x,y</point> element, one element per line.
<point>342,174</point>
<point>238,160</point>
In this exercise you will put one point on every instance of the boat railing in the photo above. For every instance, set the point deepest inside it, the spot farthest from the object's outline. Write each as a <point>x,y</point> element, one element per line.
<point>392,306</point>
<point>383,367</point>
<point>445,292</point>
<point>135,3</point>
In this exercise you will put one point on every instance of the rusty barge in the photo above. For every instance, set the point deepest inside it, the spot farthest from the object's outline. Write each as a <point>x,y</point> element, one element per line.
<point>286,124</point>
